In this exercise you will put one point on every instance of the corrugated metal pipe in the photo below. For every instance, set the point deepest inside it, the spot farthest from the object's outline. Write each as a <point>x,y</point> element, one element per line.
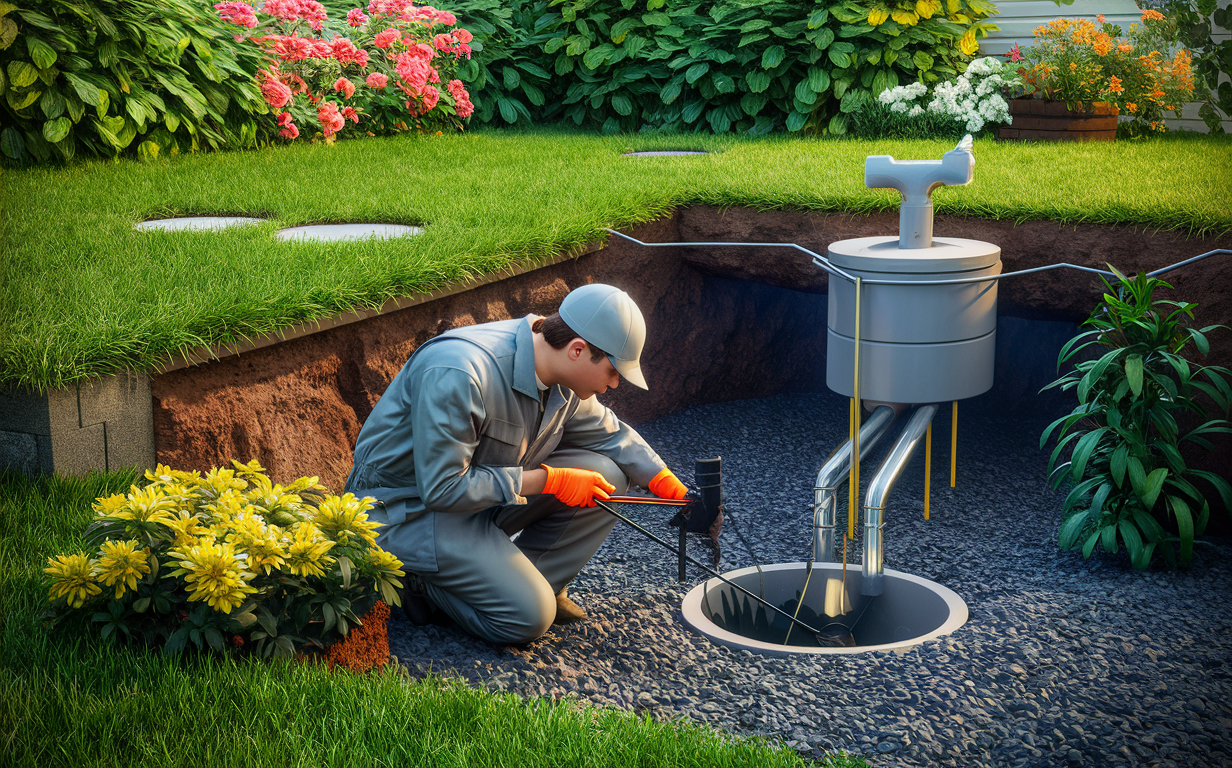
<point>832,473</point>
<point>879,491</point>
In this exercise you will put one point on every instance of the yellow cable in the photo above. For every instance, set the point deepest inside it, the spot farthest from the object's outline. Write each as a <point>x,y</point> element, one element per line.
<point>928,464</point>
<point>855,427</point>
<point>954,444</point>
<point>851,436</point>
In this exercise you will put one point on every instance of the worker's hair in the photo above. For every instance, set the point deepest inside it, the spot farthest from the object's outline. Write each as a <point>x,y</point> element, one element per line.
<point>558,334</point>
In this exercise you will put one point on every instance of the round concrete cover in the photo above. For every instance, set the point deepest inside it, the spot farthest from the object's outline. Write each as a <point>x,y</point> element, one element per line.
<point>335,232</point>
<point>666,153</point>
<point>201,223</point>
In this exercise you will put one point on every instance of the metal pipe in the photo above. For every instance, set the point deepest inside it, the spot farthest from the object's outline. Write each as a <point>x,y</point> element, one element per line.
<point>826,265</point>
<point>879,490</point>
<point>832,472</point>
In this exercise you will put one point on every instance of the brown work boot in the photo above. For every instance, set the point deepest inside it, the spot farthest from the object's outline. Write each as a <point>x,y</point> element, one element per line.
<point>568,611</point>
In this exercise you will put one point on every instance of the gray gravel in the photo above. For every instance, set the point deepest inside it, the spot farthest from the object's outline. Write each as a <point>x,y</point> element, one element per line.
<point>1064,662</point>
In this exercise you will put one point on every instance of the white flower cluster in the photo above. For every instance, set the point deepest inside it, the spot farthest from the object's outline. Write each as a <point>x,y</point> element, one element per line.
<point>973,98</point>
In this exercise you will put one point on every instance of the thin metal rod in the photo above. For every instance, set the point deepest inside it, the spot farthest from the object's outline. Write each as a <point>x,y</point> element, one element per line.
<point>800,604</point>
<point>713,573</point>
<point>851,438</point>
<point>648,500</point>
<point>928,465</point>
<point>954,444</point>
<point>854,488</point>
<point>683,541</point>
<point>828,266</point>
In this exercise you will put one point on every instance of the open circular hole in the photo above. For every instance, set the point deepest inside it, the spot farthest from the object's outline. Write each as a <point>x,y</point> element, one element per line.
<point>339,232</point>
<point>910,610</point>
<point>665,153</point>
<point>195,223</point>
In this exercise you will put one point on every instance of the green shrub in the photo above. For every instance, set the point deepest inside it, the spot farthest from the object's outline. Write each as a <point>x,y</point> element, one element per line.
<point>878,121</point>
<point>138,76</point>
<point>1126,466</point>
<point>505,72</point>
<point>1211,57</point>
<point>725,65</point>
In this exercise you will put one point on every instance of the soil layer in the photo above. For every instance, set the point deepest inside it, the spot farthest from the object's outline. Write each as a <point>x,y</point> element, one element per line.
<point>725,324</point>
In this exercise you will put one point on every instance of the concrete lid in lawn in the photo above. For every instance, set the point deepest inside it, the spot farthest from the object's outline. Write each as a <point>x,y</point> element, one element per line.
<point>335,232</point>
<point>666,153</point>
<point>195,223</point>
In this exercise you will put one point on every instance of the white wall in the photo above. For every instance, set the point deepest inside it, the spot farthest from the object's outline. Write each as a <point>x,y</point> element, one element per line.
<point>1018,18</point>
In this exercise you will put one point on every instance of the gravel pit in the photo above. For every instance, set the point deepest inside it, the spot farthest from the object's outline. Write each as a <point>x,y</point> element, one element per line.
<point>1064,662</point>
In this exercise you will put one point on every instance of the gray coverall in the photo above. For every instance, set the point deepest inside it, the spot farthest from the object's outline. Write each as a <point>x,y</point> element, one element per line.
<point>444,451</point>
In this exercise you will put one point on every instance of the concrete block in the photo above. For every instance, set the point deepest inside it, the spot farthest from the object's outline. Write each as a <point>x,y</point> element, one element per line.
<point>78,451</point>
<point>26,453</point>
<point>130,442</point>
<point>24,411</point>
<point>114,398</point>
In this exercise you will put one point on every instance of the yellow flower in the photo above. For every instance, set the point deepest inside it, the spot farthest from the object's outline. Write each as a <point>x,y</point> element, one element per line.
<point>877,16</point>
<point>952,6</point>
<point>72,578</point>
<point>265,552</point>
<point>215,574</point>
<point>187,527</point>
<point>306,484</point>
<point>342,519</point>
<point>142,508</point>
<point>218,481</point>
<point>906,18</point>
<point>251,469</point>
<point>107,506</point>
<point>228,504</point>
<point>968,44</point>
<point>164,475</point>
<point>121,563</point>
<point>306,549</point>
<point>926,9</point>
<point>272,498</point>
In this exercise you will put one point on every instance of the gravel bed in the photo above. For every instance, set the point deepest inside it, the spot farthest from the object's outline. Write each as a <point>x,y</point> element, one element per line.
<point>1064,662</point>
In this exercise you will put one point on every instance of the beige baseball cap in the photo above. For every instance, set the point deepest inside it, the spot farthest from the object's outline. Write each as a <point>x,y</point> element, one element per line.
<point>607,317</point>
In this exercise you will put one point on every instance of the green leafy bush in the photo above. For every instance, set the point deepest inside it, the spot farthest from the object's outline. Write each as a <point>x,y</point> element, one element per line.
<point>1126,465</point>
<point>1211,57</point>
<point>142,76</point>
<point>719,66</point>
<point>223,560</point>
<point>878,121</point>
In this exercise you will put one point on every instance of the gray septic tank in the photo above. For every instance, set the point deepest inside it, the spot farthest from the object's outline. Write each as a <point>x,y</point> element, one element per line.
<point>918,343</point>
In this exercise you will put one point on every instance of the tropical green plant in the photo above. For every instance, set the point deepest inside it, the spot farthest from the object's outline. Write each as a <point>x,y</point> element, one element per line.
<point>143,76</point>
<point>1126,467</point>
<point>221,560</point>
<point>505,71</point>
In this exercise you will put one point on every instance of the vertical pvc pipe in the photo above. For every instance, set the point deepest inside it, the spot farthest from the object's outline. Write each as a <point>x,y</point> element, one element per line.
<point>854,487</point>
<point>928,465</point>
<point>954,444</point>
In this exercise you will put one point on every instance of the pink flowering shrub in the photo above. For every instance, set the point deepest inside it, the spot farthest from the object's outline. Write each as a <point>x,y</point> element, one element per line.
<point>382,74</point>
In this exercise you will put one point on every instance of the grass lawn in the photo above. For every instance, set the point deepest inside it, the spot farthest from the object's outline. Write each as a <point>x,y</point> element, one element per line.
<point>82,294</point>
<point>68,699</point>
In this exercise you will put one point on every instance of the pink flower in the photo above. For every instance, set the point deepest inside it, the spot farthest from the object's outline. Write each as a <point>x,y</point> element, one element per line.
<point>463,35</point>
<point>430,97</point>
<point>386,38</point>
<point>240,14</point>
<point>464,108</point>
<point>434,76</point>
<point>356,18</point>
<point>290,10</point>
<point>289,48</point>
<point>330,119</point>
<point>442,42</point>
<point>445,17</point>
<point>1014,53</point>
<point>350,114</point>
<point>345,87</point>
<point>322,49</point>
<point>413,70</point>
<point>420,50</point>
<point>289,131</point>
<point>457,90</point>
<point>277,94</point>
<point>377,80</point>
<point>360,58</point>
<point>345,52</point>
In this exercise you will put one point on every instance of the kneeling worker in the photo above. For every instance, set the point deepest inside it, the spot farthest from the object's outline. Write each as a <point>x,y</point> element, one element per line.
<point>494,430</point>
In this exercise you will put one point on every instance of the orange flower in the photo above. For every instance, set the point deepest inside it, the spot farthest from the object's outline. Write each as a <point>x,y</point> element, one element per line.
<point>1072,66</point>
<point>1132,107</point>
<point>1125,47</point>
<point>1100,18</point>
<point>1152,15</point>
<point>1114,85</point>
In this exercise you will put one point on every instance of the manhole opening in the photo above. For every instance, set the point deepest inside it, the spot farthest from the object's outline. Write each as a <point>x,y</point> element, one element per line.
<point>355,231</point>
<point>195,223</point>
<point>909,611</point>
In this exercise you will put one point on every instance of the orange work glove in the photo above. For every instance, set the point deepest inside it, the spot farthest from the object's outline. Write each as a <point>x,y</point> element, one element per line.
<point>576,487</point>
<point>666,485</point>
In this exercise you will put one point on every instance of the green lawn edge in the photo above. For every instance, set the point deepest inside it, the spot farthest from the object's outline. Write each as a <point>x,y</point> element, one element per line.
<point>84,295</point>
<point>69,699</point>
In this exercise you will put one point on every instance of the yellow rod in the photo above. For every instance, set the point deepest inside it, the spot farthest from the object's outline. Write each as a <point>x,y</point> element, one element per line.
<point>855,427</point>
<point>954,444</point>
<point>851,436</point>
<point>928,464</point>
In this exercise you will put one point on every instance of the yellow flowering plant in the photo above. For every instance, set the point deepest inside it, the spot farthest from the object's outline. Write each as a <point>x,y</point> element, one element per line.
<point>225,559</point>
<point>1081,62</point>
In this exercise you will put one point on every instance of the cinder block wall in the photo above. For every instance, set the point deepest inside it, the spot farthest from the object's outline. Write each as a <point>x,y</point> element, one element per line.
<point>104,423</point>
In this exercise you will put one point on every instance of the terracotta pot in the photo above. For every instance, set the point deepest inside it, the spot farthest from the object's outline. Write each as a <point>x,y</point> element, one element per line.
<point>1041,120</point>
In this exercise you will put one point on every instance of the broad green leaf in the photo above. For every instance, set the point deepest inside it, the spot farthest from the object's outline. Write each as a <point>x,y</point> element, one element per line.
<point>1082,451</point>
<point>796,121</point>
<point>822,38</point>
<point>818,79</point>
<point>692,111</point>
<point>1133,374</point>
<point>1071,529</point>
<point>658,19</point>
<point>18,100</point>
<point>52,103</point>
<point>622,104</point>
<point>772,57</point>
<point>1133,544</point>
<point>42,54</point>
<point>719,122</point>
<point>755,24</point>
<point>508,113</point>
<point>1200,341</point>
<point>1137,476</point>
<point>1108,538</point>
<point>1089,546</point>
<point>805,94</point>
<point>670,92</point>
<point>553,45</point>
<point>1118,462</point>
<point>22,74</point>
<point>838,58</point>
<point>8,33</point>
<point>838,124</point>
<point>1152,486</point>
<point>922,60</point>
<point>752,103</point>
<point>54,130</point>
<point>817,18</point>
<point>1184,526</point>
<point>694,73</point>
<point>723,83</point>
<point>757,81</point>
<point>510,77</point>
